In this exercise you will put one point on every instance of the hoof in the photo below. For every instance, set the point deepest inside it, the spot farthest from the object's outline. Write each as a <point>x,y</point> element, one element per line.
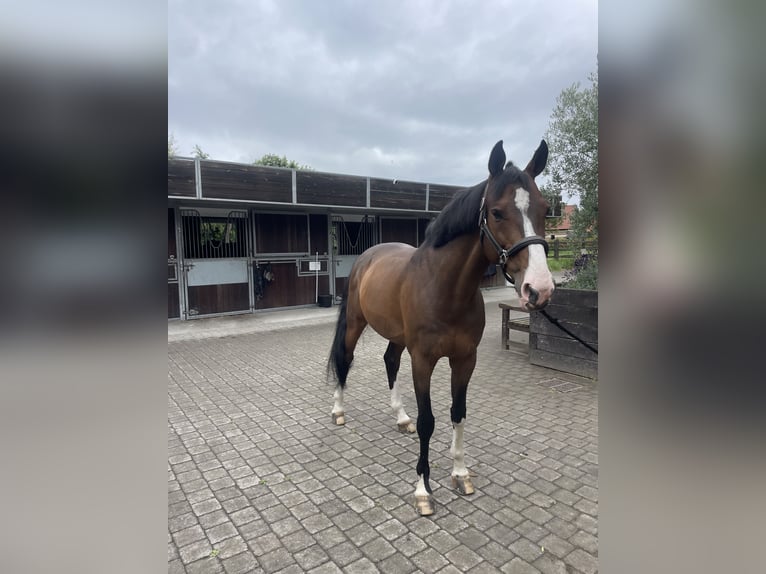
<point>463,485</point>
<point>424,504</point>
<point>339,418</point>
<point>407,427</point>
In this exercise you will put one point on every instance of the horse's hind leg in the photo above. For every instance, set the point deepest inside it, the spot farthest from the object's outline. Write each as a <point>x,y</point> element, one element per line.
<point>422,369</point>
<point>354,325</point>
<point>461,374</point>
<point>392,358</point>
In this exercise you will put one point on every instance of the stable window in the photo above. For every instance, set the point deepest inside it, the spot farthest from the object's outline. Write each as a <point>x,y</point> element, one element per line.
<point>208,237</point>
<point>352,236</point>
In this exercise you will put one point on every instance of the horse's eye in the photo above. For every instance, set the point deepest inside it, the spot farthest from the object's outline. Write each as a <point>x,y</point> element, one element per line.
<point>497,214</point>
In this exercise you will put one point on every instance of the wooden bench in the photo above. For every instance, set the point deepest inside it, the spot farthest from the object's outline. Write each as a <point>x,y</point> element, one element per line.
<point>519,324</point>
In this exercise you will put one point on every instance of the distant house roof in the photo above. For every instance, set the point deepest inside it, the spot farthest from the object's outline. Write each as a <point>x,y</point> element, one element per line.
<point>565,224</point>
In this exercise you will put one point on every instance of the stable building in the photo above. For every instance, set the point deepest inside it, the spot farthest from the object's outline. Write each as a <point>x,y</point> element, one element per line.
<point>244,238</point>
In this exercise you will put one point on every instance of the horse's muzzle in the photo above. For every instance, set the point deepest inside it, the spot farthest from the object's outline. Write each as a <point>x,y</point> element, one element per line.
<point>533,299</point>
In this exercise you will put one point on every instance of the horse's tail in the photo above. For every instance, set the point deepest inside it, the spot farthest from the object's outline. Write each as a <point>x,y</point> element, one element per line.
<point>336,364</point>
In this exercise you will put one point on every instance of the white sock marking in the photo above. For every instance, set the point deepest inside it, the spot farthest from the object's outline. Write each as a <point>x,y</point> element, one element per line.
<point>338,406</point>
<point>396,405</point>
<point>458,454</point>
<point>420,489</point>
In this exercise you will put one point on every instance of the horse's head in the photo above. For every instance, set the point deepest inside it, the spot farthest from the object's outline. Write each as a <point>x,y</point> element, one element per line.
<point>513,223</point>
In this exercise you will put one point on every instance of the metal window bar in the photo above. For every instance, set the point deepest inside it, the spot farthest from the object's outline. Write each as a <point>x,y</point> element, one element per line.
<point>208,237</point>
<point>364,234</point>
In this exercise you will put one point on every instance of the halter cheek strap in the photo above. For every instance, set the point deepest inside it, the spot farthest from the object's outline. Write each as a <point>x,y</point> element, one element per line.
<point>505,254</point>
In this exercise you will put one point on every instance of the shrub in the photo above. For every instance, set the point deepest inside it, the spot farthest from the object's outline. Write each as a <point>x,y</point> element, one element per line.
<point>584,274</point>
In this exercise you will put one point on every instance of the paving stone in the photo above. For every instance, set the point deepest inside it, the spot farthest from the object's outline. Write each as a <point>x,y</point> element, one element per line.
<point>503,534</point>
<point>326,568</point>
<point>202,508</point>
<point>221,532</point>
<point>560,528</point>
<point>253,530</point>
<point>396,564</point>
<point>195,551</point>
<point>556,546</point>
<point>549,564</point>
<point>329,537</point>
<point>344,553</point>
<point>275,560</point>
<point>362,566</point>
<point>182,521</point>
<point>588,492</point>
<point>472,538</point>
<point>429,561</point>
<point>234,504</point>
<point>176,567</point>
<point>519,566</point>
<point>583,561</point>
<point>409,545</point>
<point>276,513</point>
<point>205,566</point>
<point>231,547</point>
<point>347,520</point>
<point>531,531</point>
<point>526,549</point>
<point>495,554</point>
<point>260,471</point>
<point>586,541</point>
<point>587,523</point>
<point>311,557</point>
<point>463,558</point>
<point>392,529</point>
<point>245,515</point>
<point>297,541</point>
<point>264,544</point>
<point>285,526</point>
<point>537,514</point>
<point>377,549</point>
<point>244,563</point>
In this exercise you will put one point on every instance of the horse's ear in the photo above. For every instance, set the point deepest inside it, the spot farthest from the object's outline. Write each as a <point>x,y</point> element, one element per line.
<point>496,159</point>
<point>537,163</point>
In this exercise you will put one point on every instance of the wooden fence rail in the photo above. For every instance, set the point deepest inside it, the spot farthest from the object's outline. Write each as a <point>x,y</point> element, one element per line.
<point>570,248</point>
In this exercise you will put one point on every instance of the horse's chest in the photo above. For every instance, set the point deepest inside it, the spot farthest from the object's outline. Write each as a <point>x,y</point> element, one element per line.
<point>444,339</point>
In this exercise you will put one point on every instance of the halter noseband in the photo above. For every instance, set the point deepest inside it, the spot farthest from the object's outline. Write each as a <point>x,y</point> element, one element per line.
<point>505,254</point>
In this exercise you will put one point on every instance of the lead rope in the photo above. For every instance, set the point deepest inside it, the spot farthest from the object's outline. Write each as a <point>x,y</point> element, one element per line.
<point>567,331</point>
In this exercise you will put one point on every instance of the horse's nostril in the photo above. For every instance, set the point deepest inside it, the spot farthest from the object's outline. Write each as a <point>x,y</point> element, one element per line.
<point>531,293</point>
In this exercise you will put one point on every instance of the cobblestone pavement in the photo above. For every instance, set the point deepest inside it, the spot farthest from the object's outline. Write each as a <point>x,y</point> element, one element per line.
<point>260,480</point>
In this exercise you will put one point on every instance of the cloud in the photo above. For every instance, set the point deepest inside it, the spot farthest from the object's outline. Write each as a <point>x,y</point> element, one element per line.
<point>409,90</point>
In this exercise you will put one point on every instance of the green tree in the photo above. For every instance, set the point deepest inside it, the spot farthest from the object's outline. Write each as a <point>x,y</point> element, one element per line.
<point>273,160</point>
<point>573,162</point>
<point>172,147</point>
<point>198,153</point>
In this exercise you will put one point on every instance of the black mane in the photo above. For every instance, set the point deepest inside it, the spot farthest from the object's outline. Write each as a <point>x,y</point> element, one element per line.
<point>461,214</point>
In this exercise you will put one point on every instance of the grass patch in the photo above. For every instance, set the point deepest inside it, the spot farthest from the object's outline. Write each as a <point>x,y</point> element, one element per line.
<point>560,264</point>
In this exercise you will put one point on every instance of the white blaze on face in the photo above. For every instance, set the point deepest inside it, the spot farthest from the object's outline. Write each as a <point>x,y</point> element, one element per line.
<point>537,273</point>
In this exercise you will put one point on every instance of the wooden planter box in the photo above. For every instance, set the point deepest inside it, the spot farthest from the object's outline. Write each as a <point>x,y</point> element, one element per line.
<point>551,347</point>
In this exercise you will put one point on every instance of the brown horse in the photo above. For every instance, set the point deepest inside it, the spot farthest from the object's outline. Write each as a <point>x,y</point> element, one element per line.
<point>428,300</point>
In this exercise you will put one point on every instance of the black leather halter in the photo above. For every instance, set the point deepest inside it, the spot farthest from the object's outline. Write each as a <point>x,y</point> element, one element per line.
<point>505,254</point>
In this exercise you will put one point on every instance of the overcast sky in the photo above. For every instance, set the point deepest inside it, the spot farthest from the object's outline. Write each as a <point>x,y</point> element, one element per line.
<point>417,90</point>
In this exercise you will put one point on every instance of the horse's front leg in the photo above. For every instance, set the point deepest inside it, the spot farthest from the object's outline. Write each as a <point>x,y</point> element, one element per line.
<point>422,368</point>
<point>393,359</point>
<point>461,374</point>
